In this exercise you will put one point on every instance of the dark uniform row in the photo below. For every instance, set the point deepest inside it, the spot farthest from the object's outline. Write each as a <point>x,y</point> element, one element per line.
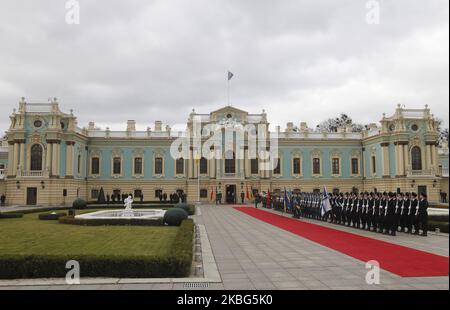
<point>385,213</point>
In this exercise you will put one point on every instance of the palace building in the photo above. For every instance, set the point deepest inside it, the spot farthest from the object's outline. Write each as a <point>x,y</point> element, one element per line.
<point>46,159</point>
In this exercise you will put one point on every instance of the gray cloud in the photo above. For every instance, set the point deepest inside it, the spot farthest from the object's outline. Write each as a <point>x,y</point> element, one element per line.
<point>299,60</point>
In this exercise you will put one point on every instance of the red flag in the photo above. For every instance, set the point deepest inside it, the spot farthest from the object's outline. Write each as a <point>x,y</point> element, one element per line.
<point>212,193</point>
<point>268,199</point>
<point>248,194</point>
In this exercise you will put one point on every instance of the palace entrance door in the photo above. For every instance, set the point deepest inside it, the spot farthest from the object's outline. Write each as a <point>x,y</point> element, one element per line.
<point>231,194</point>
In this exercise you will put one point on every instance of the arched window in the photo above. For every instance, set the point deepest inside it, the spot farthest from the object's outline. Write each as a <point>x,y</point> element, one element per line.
<point>230,162</point>
<point>36,158</point>
<point>180,166</point>
<point>416,158</point>
<point>203,165</point>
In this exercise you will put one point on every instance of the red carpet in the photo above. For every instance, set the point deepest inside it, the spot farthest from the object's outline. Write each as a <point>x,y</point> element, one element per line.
<point>401,260</point>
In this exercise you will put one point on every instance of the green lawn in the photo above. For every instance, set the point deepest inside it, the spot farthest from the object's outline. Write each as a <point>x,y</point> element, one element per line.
<point>31,236</point>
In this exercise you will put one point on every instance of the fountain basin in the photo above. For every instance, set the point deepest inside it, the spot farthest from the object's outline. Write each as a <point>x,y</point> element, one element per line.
<point>122,214</point>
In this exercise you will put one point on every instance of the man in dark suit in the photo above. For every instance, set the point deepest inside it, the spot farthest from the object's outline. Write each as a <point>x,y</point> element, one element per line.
<point>422,214</point>
<point>404,213</point>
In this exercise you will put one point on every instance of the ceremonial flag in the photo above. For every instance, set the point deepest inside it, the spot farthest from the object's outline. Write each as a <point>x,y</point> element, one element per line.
<point>268,199</point>
<point>325,206</point>
<point>212,194</point>
<point>248,194</point>
<point>230,75</point>
<point>287,204</point>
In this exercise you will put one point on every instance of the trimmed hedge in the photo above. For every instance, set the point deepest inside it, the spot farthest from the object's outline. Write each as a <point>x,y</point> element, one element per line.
<point>176,264</point>
<point>79,204</point>
<point>111,222</point>
<point>11,215</point>
<point>438,218</point>
<point>175,216</point>
<point>190,209</point>
<point>51,216</point>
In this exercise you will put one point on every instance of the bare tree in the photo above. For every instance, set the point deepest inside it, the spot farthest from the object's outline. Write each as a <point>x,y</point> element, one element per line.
<point>333,124</point>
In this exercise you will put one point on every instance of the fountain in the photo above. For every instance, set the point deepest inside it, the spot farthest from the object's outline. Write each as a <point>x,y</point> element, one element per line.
<point>127,213</point>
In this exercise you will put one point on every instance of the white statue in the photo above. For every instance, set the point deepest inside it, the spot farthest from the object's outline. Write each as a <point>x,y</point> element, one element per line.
<point>128,206</point>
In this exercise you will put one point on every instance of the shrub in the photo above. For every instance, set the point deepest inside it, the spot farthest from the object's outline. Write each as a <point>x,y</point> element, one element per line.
<point>79,204</point>
<point>177,263</point>
<point>190,209</point>
<point>51,216</point>
<point>11,215</point>
<point>174,217</point>
<point>111,222</point>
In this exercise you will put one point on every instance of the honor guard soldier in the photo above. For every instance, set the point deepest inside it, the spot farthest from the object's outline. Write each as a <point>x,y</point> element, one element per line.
<point>370,211</point>
<point>404,214</point>
<point>390,215</point>
<point>412,223</point>
<point>422,214</point>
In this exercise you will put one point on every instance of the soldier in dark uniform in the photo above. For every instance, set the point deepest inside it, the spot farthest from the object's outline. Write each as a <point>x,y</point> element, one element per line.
<point>348,207</point>
<point>422,214</point>
<point>370,206</point>
<point>412,214</point>
<point>376,212</point>
<point>359,206</point>
<point>365,205</point>
<point>398,211</point>
<point>404,213</point>
<point>383,209</point>
<point>242,197</point>
<point>390,215</point>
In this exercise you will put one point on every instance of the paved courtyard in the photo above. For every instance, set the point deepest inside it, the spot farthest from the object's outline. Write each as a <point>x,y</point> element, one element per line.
<point>251,254</point>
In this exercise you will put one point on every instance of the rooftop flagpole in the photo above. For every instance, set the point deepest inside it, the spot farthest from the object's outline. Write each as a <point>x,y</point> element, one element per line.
<point>230,76</point>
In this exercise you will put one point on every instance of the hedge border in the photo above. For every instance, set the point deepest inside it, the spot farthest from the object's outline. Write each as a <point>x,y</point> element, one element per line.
<point>51,216</point>
<point>176,264</point>
<point>11,215</point>
<point>110,222</point>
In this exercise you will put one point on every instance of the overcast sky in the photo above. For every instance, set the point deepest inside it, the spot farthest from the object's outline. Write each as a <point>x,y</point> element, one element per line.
<point>156,60</point>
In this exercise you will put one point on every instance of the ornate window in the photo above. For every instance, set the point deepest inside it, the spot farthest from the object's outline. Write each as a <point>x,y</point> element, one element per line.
<point>179,169</point>
<point>374,164</point>
<point>94,193</point>
<point>335,166</point>
<point>316,165</point>
<point>138,165</point>
<point>203,165</point>
<point>296,165</point>
<point>117,165</point>
<point>416,158</point>
<point>355,166</point>
<point>277,168</point>
<point>79,164</point>
<point>203,193</point>
<point>95,165</point>
<point>254,169</point>
<point>36,158</point>
<point>230,162</point>
<point>158,165</point>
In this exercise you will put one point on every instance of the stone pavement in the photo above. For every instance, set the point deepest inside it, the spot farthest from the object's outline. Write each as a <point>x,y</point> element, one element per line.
<point>251,254</point>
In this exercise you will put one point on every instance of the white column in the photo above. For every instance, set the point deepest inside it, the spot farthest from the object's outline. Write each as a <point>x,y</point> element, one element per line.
<point>212,168</point>
<point>190,165</point>
<point>22,156</point>
<point>55,150</point>
<point>247,164</point>
<point>10,158</point>
<point>48,158</point>
<point>428,156</point>
<point>69,160</point>
<point>15,159</point>
<point>405,158</point>
<point>385,158</point>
